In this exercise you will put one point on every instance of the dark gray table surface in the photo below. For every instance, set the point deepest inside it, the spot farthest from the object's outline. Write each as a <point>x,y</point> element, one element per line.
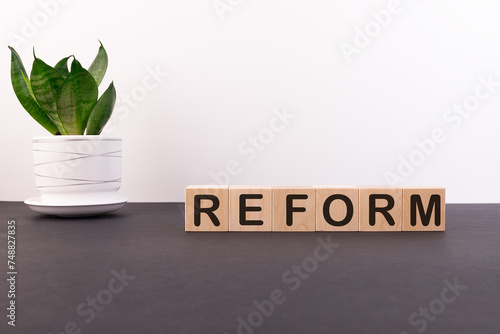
<point>211,282</point>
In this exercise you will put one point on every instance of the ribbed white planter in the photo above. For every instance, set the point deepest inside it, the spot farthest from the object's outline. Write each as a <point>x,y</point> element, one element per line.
<point>77,170</point>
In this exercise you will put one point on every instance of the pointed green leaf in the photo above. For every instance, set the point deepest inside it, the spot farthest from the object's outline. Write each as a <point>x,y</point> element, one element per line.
<point>99,65</point>
<point>102,111</point>
<point>24,93</point>
<point>62,67</point>
<point>77,99</point>
<point>46,83</point>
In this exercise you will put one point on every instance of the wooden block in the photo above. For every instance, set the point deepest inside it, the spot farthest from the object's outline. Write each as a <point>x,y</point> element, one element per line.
<point>380,209</point>
<point>337,208</point>
<point>207,209</point>
<point>250,208</point>
<point>294,209</point>
<point>423,209</point>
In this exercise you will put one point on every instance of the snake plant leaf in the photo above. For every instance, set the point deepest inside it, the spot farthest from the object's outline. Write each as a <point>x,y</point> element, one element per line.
<point>24,93</point>
<point>99,65</point>
<point>46,83</point>
<point>102,111</point>
<point>77,99</point>
<point>62,67</point>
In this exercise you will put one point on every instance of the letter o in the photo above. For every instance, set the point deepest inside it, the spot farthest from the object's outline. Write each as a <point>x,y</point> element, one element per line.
<point>139,93</point>
<point>101,294</point>
<point>268,133</point>
<point>370,32</point>
<point>259,319</point>
<point>437,306</point>
<point>471,106</point>
<point>416,158</point>
<point>310,264</point>
<point>40,19</point>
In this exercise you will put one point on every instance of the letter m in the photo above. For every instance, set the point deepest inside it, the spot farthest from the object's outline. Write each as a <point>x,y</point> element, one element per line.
<point>425,215</point>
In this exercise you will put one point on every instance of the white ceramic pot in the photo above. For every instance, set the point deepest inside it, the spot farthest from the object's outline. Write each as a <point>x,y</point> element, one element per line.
<point>77,170</point>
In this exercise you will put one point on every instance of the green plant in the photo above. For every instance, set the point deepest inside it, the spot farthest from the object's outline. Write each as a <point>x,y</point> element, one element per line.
<point>65,102</point>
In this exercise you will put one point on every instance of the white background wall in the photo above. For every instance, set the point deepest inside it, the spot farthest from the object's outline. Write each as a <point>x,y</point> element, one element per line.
<point>230,70</point>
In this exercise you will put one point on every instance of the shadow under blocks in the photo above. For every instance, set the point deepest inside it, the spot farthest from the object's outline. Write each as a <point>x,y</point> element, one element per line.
<point>314,208</point>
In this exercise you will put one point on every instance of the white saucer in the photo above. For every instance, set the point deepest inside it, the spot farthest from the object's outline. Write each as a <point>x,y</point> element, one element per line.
<point>75,210</point>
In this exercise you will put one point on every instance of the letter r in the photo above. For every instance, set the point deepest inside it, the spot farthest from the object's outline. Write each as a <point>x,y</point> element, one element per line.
<point>209,211</point>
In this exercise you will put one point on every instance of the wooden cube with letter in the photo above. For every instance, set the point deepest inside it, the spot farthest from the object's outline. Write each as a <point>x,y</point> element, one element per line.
<point>250,208</point>
<point>294,209</point>
<point>337,208</point>
<point>423,209</point>
<point>380,209</point>
<point>207,209</point>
